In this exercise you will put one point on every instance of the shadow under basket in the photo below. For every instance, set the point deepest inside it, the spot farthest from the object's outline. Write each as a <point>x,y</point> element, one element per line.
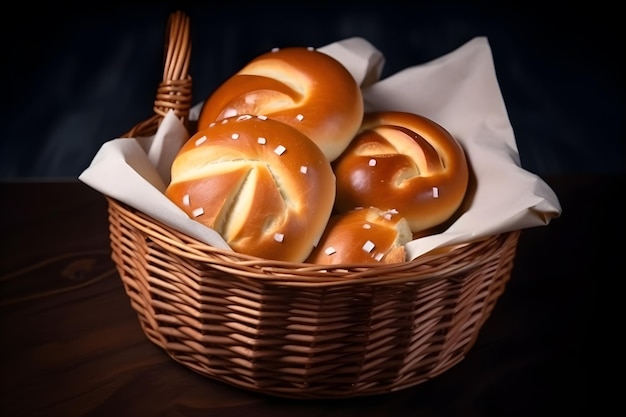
<point>293,329</point>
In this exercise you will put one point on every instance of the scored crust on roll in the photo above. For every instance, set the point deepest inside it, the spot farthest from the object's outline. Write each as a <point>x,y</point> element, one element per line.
<point>406,162</point>
<point>302,87</point>
<point>363,235</point>
<point>263,185</point>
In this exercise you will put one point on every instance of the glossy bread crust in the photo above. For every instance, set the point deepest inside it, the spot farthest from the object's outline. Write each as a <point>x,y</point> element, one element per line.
<point>363,235</point>
<point>405,162</point>
<point>263,185</point>
<point>302,87</point>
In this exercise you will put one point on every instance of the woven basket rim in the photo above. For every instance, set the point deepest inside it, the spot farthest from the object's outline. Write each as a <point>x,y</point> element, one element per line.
<point>457,260</point>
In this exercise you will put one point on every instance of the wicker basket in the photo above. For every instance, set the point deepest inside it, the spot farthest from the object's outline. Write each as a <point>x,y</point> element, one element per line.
<point>298,330</point>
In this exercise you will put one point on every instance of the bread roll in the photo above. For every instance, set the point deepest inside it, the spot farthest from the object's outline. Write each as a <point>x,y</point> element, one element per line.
<point>299,86</point>
<point>363,235</point>
<point>405,162</point>
<point>260,183</point>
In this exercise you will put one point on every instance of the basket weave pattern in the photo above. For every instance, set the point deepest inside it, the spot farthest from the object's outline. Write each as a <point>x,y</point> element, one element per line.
<point>299,330</point>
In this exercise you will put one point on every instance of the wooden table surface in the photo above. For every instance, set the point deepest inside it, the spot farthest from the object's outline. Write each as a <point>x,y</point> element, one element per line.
<point>72,346</point>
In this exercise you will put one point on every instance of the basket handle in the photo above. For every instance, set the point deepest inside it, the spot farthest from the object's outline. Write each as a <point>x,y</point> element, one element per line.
<point>174,92</point>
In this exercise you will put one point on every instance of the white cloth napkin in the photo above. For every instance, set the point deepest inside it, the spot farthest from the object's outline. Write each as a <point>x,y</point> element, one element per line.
<point>459,90</point>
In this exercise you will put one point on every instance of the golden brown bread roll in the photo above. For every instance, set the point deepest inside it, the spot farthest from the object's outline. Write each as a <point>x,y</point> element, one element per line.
<point>260,183</point>
<point>363,235</point>
<point>302,87</point>
<point>405,162</point>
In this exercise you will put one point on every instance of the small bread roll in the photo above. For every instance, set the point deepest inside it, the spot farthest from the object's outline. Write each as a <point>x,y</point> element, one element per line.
<point>302,87</point>
<point>263,185</point>
<point>405,162</point>
<point>363,235</point>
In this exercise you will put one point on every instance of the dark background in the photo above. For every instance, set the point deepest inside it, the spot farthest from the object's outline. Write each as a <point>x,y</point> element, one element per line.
<point>77,75</point>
